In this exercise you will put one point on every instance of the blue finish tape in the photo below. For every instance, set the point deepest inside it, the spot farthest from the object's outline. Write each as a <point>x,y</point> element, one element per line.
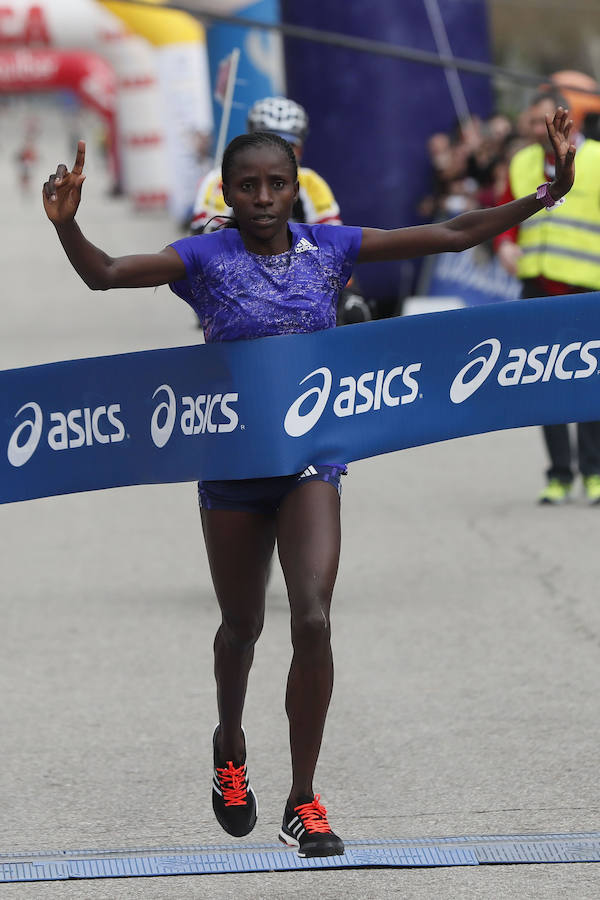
<point>275,405</point>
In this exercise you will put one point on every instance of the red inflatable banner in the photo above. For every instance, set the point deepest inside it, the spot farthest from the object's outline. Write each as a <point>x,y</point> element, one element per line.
<point>87,74</point>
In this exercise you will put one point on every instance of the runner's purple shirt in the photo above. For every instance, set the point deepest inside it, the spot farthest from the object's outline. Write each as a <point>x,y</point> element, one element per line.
<point>239,295</point>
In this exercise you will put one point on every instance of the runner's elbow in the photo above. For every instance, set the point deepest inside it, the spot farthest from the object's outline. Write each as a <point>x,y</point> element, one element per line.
<point>109,274</point>
<point>98,281</point>
<point>451,236</point>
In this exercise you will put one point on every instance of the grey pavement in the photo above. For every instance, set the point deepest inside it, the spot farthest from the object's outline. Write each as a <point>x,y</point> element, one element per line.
<point>466,635</point>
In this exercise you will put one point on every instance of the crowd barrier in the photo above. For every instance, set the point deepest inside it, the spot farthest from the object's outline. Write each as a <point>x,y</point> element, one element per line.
<point>274,406</point>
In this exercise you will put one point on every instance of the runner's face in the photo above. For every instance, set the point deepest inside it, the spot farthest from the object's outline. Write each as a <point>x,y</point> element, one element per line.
<point>261,191</point>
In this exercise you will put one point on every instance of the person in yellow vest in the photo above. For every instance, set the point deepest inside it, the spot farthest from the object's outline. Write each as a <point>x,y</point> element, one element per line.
<point>557,251</point>
<point>316,204</point>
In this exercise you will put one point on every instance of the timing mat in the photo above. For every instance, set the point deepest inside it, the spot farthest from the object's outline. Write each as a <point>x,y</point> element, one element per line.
<point>470,850</point>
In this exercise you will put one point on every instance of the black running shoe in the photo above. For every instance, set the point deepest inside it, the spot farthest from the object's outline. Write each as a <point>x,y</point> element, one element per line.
<point>234,801</point>
<point>305,826</point>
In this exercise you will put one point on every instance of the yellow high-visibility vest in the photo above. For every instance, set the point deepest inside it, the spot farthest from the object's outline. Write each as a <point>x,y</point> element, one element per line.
<point>562,244</point>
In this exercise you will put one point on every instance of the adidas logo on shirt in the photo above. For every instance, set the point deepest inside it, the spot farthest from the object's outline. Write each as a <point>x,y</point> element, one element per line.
<point>303,245</point>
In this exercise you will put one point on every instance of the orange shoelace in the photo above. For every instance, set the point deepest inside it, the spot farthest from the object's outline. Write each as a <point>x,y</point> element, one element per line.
<point>233,784</point>
<point>314,816</point>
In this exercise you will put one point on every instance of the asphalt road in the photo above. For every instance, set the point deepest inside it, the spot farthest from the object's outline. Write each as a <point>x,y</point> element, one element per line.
<point>466,634</point>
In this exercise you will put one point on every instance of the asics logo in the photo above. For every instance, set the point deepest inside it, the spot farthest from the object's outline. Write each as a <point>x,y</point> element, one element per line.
<point>197,414</point>
<point>18,454</point>
<point>163,417</point>
<point>69,430</point>
<point>297,423</point>
<point>522,366</point>
<point>353,395</point>
<point>461,389</point>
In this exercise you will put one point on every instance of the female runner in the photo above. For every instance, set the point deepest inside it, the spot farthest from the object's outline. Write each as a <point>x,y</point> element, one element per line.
<point>266,276</point>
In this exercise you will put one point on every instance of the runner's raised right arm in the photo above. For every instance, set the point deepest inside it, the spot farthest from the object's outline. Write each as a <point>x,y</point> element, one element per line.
<point>61,195</point>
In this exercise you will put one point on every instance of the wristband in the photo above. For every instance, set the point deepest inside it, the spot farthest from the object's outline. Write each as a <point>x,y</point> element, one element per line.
<point>543,194</point>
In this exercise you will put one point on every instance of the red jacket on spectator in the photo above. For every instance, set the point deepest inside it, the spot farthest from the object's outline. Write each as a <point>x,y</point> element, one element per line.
<point>551,288</point>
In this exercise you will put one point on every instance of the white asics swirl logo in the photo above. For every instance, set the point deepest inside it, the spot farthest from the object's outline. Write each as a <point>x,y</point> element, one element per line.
<point>19,454</point>
<point>522,365</point>
<point>192,415</point>
<point>353,395</point>
<point>460,389</point>
<point>163,417</point>
<point>66,430</point>
<point>297,423</point>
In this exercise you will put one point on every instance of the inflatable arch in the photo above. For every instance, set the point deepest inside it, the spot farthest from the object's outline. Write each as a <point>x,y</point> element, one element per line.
<point>162,87</point>
<point>87,74</point>
<point>183,79</point>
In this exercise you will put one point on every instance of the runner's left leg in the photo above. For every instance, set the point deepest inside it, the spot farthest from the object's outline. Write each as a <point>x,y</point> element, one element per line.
<point>308,537</point>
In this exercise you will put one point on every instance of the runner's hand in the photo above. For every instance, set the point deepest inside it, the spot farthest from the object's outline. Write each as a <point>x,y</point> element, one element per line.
<point>559,129</point>
<point>62,192</point>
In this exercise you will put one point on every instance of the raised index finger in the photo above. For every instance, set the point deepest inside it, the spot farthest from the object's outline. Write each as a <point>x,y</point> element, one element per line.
<point>79,159</point>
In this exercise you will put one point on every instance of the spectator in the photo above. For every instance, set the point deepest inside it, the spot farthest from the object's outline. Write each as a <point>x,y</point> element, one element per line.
<point>558,253</point>
<point>469,167</point>
<point>25,158</point>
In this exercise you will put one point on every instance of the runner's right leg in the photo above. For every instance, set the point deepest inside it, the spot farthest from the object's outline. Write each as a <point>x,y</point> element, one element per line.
<point>239,545</point>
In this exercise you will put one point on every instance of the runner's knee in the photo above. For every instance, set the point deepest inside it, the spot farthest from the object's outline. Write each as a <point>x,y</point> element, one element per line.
<point>310,629</point>
<point>241,632</point>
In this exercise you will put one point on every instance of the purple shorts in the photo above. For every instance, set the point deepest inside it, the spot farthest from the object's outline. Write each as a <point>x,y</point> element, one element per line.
<point>263,495</point>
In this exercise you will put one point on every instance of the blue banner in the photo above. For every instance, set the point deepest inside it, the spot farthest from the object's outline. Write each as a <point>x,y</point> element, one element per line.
<point>274,406</point>
<point>358,130</point>
<point>474,276</point>
<point>260,71</point>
